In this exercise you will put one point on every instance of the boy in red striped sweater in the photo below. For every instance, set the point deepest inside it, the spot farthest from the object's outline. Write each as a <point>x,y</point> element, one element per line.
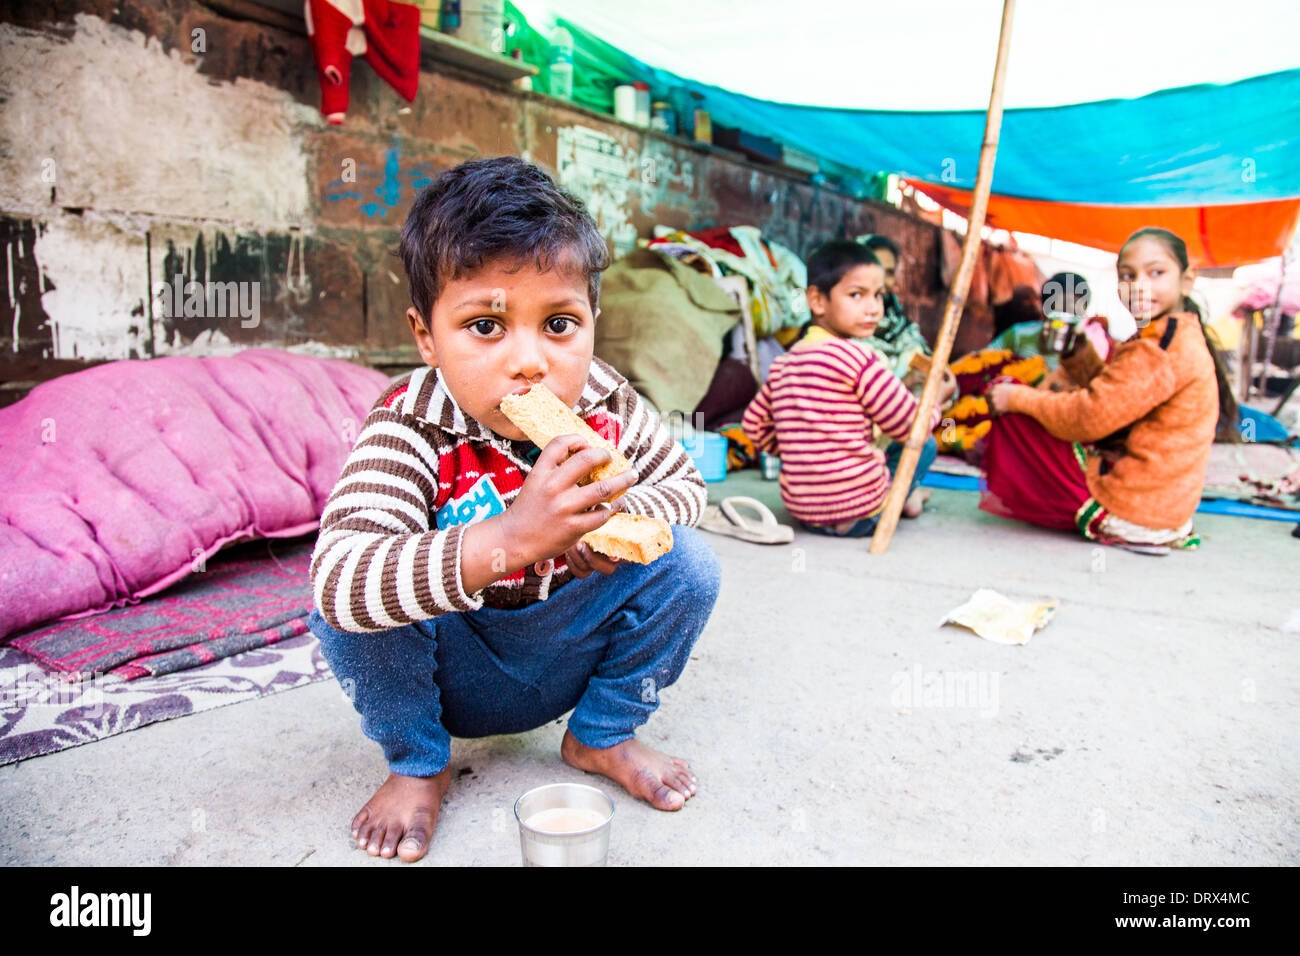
<point>824,400</point>
<point>453,593</point>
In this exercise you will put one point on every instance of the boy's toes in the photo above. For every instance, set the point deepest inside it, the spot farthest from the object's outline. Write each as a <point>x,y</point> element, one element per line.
<point>363,833</point>
<point>376,840</point>
<point>389,846</point>
<point>666,798</point>
<point>415,845</point>
<point>415,837</point>
<point>358,821</point>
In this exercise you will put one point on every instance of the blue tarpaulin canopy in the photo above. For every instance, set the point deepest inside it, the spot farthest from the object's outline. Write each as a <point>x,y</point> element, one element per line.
<point>1190,146</point>
<point>1218,160</point>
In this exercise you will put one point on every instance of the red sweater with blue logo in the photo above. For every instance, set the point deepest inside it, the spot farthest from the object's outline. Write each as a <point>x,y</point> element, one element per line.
<point>421,471</point>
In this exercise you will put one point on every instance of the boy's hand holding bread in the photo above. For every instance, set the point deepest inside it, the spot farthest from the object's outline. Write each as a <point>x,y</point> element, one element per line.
<point>569,502</point>
<point>539,414</point>
<point>548,516</point>
<point>552,510</point>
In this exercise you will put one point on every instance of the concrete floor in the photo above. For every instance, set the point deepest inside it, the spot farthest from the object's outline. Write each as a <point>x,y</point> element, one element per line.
<point>829,719</point>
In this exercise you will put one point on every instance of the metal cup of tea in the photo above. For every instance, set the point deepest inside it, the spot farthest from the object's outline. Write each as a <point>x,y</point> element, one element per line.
<point>1058,333</point>
<point>564,824</point>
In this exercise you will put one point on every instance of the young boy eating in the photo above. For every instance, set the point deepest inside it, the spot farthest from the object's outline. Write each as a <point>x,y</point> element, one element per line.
<point>452,592</point>
<point>824,399</point>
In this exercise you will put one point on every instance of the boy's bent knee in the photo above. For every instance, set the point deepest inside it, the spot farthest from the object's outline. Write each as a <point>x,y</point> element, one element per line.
<point>692,565</point>
<point>323,630</point>
<point>929,452</point>
<point>333,642</point>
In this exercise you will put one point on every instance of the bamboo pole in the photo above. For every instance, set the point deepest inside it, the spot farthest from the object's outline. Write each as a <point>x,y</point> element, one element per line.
<point>956,298</point>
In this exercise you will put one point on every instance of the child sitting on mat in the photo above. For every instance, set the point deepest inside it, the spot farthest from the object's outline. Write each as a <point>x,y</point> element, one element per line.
<point>452,592</point>
<point>1149,414</point>
<point>824,399</point>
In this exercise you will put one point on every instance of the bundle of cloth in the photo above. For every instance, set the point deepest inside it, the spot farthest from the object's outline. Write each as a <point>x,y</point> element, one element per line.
<point>776,276</point>
<point>668,325</point>
<point>662,324</point>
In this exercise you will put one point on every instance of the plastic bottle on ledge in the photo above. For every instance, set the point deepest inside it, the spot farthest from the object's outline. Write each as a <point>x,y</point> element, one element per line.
<point>701,125</point>
<point>450,22</point>
<point>662,117</point>
<point>642,101</point>
<point>430,14</point>
<point>560,69</point>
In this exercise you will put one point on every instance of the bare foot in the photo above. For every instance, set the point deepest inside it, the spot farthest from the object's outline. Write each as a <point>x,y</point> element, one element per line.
<point>915,503</point>
<point>403,809</point>
<point>664,782</point>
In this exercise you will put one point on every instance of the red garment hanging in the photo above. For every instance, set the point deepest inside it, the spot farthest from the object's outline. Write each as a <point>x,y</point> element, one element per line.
<point>385,32</point>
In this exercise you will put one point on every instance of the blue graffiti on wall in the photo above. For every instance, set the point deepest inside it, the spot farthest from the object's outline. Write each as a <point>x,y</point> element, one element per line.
<point>389,188</point>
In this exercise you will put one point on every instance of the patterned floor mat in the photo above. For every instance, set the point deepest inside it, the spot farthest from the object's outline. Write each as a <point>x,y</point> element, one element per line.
<point>254,594</point>
<point>41,714</point>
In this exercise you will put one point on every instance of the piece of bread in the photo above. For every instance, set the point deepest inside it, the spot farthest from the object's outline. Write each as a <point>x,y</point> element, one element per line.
<point>540,415</point>
<point>638,538</point>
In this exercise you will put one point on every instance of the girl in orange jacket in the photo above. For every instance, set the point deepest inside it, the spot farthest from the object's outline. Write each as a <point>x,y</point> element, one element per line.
<point>1148,414</point>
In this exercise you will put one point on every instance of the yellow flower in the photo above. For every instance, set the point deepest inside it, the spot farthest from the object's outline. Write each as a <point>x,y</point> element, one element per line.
<point>1028,370</point>
<point>970,406</point>
<point>963,437</point>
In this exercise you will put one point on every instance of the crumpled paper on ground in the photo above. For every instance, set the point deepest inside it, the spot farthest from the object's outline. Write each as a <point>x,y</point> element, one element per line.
<point>997,618</point>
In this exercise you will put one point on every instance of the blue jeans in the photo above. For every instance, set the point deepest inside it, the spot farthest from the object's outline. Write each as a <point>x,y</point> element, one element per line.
<point>602,646</point>
<point>866,527</point>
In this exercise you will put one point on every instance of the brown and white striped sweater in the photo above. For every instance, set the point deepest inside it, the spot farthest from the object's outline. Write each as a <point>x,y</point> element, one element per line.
<point>421,471</point>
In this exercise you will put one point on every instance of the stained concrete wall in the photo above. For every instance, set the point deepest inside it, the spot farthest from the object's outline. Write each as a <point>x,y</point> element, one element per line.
<point>150,148</point>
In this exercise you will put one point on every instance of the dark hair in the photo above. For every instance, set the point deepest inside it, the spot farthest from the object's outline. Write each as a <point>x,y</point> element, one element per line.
<point>1177,248</point>
<point>830,261</point>
<point>1023,306</point>
<point>1226,430</point>
<point>874,242</point>
<point>488,209</point>
<point>1066,292</point>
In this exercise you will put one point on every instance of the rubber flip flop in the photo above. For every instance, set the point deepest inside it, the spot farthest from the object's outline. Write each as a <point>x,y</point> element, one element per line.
<point>728,520</point>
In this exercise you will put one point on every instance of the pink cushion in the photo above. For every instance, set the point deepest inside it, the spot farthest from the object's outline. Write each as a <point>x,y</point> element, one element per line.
<point>122,479</point>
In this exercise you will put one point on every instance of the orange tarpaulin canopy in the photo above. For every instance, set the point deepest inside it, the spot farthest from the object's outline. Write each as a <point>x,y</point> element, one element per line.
<point>1223,235</point>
